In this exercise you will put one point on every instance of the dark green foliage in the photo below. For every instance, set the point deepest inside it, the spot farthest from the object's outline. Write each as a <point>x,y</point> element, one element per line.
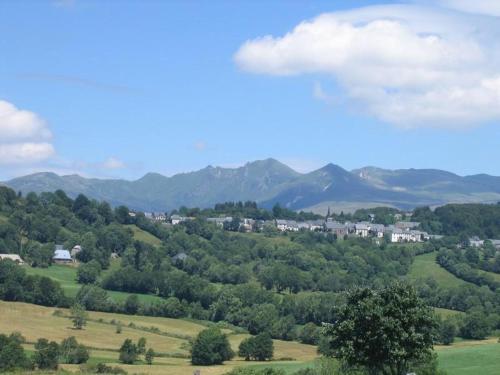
<point>447,331</point>
<point>383,330</point>
<point>149,356</point>
<point>132,304</point>
<point>475,326</point>
<point>309,334</point>
<point>72,352</point>
<point>457,219</point>
<point>464,264</point>
<point>141,346</point>
<point>93,298</point>
<point>46,356</point>
<point>78,316</point>
<point>258,348</point>
<point>102,368</point>
<point>16,285</point>
<point>211,347</point>
<point>128,352</point>
<point>88,272</point>
<point>12,354</point>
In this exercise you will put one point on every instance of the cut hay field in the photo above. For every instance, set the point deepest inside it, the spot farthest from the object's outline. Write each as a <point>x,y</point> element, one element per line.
<point>425,266</point>
<point>170,338</point>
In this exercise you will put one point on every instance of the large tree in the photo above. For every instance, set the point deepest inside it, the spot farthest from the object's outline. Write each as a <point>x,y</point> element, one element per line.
<point>211,347</point>
<point>385,331</point>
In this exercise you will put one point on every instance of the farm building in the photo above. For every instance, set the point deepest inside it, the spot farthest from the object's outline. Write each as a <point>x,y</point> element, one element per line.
<point>14,257</point>
<point>61,255</point>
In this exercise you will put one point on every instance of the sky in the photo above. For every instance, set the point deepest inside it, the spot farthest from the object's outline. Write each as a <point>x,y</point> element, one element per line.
<point>118,89</point>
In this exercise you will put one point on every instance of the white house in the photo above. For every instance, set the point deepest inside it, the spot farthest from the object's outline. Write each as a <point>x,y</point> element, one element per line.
<point>287,225</point>
<point>176,219</point>
<point>362,229</point>
<point>13,257</point>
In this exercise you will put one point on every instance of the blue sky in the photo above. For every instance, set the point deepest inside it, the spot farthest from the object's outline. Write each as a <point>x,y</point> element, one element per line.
<point>124,88</point>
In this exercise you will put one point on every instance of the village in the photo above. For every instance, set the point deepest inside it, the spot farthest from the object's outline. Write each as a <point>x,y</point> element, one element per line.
<point>401,231</point>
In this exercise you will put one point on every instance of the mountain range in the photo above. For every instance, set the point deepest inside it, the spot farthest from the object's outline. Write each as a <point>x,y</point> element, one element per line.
<point>269,181</point>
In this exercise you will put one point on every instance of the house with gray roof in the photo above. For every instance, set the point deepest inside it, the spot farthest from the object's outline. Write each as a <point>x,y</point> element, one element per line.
<point>62,256</point>
<point>337,228</point>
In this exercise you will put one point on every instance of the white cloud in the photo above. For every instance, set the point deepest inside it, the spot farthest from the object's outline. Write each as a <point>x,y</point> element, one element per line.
<point>22,153</point>
<point>407,65</point>
<point>113,163</point>
<point>24,136</point>
<point>18,124</point>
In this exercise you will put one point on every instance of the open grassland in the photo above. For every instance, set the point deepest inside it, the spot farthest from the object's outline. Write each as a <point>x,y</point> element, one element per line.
<point>444,313</point>
<point>65,275</point>
<point>495,276</point>
<point>471,357</point>
<point>141,235</point>
<point>425,266</point>
<point>170,338</point>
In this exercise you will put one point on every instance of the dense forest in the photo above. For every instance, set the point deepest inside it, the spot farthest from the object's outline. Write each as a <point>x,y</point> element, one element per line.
<point>467,220</point>
<point>285,285</point>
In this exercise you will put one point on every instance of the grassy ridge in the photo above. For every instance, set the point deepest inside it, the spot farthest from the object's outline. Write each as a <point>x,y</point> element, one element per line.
<point>142,235</point>
<point>425,266</point>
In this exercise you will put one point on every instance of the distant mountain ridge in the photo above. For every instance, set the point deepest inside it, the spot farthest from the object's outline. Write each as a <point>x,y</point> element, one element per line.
<point>270,181</point>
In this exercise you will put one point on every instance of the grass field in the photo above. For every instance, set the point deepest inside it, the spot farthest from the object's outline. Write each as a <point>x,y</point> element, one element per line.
<point>66,277</point>
<point>425,266</point>
<point>471,357</point>
<point>171,338</point>
<point>144,236</point>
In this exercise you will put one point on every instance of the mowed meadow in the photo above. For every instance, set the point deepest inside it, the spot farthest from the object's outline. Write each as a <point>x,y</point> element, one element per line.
<point>170,338</point>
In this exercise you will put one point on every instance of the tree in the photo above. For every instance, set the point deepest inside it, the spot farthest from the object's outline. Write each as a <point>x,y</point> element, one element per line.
<point>258,348</point>
<point>475,326</point>
<point>384,331</point>
<point>78,316</point>
<point>150,355</point>
<point>128,352</point>
<point>246,348</point>
<point>72,352</point>
<point>46,356</point>
<point>88,273</point>
<point>132,304</point>
<point>211,347</point>
<point>141,345</point>
<point>309,334</point>
<point>12,354</point>
<point>447,331</point>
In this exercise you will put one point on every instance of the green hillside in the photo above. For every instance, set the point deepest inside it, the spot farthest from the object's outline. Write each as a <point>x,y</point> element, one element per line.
<point>425,266</point>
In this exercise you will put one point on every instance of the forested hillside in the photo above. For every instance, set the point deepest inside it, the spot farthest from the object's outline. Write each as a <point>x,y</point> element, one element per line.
<point>466,220</point>
<point>282,284</point>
